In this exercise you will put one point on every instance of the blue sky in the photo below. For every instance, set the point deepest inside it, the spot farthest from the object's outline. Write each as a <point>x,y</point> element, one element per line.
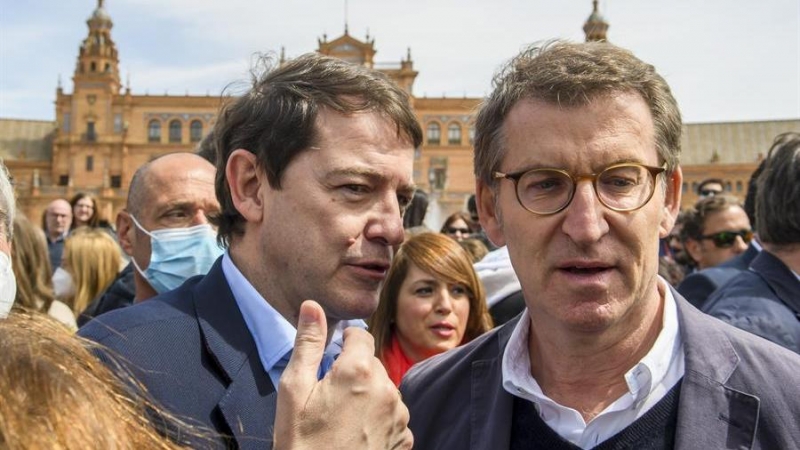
<point>726,60</point>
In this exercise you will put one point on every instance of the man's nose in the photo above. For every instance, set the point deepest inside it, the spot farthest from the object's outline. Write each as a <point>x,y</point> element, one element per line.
<point>386,223</point>
<point>584,222</point>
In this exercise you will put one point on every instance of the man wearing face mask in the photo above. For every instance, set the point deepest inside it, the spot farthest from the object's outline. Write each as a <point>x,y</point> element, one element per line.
<point>8,284</point>
<point>164,229</point>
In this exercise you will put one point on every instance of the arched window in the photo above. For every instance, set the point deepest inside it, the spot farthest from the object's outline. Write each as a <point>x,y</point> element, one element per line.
<point>196,131</point>
<point>154,131</point>
<point>175,131</point>
<point>434,133</point>
<point>472,134</point>
<point>739,186</point>
<point>454,134</point>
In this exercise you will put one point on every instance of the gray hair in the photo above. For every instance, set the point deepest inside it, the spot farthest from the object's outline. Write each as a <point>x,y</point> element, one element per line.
<point>573,74</point>
<point>7,204</point>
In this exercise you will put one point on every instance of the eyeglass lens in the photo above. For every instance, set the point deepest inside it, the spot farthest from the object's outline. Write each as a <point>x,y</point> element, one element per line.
<point>725,239</point>
<point>623,188</point>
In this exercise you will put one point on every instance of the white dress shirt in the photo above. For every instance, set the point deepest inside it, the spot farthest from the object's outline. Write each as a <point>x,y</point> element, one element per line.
<point>648,382</point>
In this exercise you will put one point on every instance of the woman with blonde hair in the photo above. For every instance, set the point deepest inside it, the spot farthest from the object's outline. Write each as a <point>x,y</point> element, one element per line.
<point>92,259</point>
<point>57,395</point>
<point>431,301</point>
<point>31,265</point>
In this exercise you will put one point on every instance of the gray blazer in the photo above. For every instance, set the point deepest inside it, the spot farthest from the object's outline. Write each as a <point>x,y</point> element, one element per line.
<point>739,391</point>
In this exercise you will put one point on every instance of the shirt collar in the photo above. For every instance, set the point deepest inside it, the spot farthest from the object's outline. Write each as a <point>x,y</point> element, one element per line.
<point>273,334</point>
<point>641,378</point>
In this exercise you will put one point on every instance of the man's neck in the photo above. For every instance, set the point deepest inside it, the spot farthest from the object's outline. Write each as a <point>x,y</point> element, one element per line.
<point>290,310</point>
<point>586,372</point>
<point>788,254</point>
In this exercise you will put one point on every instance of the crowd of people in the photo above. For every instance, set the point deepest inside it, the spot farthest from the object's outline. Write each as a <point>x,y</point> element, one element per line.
<point>279,289</point>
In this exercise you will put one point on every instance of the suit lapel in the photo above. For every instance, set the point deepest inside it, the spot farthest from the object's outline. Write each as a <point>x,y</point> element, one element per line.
<point>248,405</point>
<point>491,406</point>
<point>710,412</point>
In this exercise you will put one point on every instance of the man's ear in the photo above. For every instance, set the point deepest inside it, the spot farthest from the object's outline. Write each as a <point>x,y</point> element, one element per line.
<point>126,232</point>
<point>244,182</point>
<point>693,249</point>
<point>489,216</point>
<point>672,202</point>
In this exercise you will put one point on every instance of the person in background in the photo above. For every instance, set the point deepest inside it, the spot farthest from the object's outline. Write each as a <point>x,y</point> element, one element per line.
<point>8,282</point>
<point>57,221</point>
<point>84,211</point>
<point>697,286</point>
<point>479,233</point>
<point>458,226</point>
<point>431,301</point>
<point>165,230</point>
<point>765,300</point>
<point>577,166</point>
<point>475,248</point>
<point>716,230</point>
<point>709,188</point>
<point>32,272</point>
<point>92,260</point>
<point>57,395</point>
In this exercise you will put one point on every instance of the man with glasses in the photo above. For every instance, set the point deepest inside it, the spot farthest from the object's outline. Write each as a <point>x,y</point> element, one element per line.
<point>765,300</point>
<point>709,188</point>
<point>716,230</point>
<point>576,159</point>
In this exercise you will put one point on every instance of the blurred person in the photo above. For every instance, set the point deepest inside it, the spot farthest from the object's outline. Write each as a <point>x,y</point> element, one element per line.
<point>57,221</point>
<point>472,208</point>
<point>503,291</point>
<point>57,395</point>
<point>697,286</point>
<point>32,272</point>
<point>92,260</point>
<point>716,230</point>
<point>765,300</point>
<point>314,171</point>
<point>84,211</point>
<point>165,229</point>
<point>475,248</point>
<point>577,167</point>
<point>458,226</point>
<point>8,282</point>
<point>432,301</point>
<point>709,188</point>
<point>415,214</point>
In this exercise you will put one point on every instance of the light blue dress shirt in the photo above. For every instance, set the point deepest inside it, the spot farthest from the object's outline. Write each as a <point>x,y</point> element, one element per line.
<point>273,334</point>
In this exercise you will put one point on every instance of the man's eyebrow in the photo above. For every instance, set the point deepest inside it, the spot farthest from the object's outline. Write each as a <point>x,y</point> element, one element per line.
<point>371,174</point>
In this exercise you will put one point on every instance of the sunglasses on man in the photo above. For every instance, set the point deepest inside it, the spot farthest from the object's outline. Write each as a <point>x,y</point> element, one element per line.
<point>709,192</point>
<point>725,239</point>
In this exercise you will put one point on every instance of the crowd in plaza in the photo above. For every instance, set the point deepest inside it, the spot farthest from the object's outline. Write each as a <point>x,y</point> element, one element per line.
<point>280,289</point>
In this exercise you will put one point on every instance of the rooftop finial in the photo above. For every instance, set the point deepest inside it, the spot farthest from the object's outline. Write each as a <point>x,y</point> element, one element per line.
<point>99,3</point>
<point>345,17</point>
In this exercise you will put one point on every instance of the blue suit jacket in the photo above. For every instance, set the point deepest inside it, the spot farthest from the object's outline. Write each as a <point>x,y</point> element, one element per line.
<point>764,300</point>
<point>698,286</point>
<point>738,391</point>
<point>193,352</point>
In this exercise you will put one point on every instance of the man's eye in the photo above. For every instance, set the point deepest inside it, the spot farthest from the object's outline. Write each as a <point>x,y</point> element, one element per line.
<point>356,188</point>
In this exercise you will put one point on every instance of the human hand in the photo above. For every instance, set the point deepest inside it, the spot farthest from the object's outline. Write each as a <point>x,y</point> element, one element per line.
<point>355,405</point>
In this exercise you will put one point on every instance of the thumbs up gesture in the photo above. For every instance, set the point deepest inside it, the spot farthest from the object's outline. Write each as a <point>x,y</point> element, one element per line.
<point>355,405</point>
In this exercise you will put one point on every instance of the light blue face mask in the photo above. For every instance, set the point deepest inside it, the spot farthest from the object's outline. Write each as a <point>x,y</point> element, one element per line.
<point>177,254</point>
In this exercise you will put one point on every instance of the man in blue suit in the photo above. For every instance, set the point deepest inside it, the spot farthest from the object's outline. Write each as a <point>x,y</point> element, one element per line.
<point>576,159</point>
<point>765,300</point>
<point>314,170</point>
<point>698,286</point>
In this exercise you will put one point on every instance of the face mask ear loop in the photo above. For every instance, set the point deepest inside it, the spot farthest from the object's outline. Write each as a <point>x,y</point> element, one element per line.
<point>133,259</point>
<point>140,227</point>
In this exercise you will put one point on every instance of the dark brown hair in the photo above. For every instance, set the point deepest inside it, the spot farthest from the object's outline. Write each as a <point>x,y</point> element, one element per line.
<point>276,119</point>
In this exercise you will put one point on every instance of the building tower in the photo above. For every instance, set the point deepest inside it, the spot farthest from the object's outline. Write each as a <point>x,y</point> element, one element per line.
<point>595,27</point>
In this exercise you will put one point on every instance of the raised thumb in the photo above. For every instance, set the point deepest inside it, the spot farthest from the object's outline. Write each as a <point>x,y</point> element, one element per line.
<point>309,346</point>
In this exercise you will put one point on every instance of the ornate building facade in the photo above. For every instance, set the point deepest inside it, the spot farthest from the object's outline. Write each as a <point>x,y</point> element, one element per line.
<point>103,132</point>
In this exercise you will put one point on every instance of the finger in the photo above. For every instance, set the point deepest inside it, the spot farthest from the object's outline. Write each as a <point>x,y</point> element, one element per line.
<point>358,343</point>
<point>309,346</point>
